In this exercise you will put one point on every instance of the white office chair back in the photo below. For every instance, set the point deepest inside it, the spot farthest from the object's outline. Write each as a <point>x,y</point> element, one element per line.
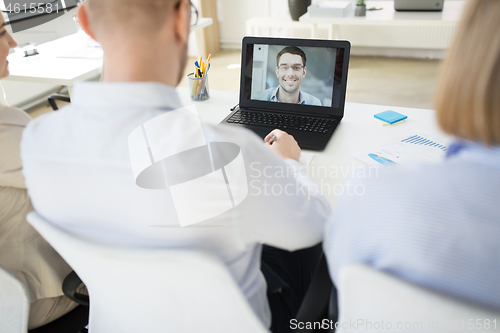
<point>368,296</point>
<point>152,290</point>
<point>14,303</point>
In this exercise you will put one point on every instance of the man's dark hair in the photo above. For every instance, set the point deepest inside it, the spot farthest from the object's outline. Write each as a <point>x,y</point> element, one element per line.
<point>291,50</point>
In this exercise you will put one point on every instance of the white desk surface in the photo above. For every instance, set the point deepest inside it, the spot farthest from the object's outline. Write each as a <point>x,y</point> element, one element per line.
<point>452,11</point>
<point>357,132</point>
<point>47,67</point>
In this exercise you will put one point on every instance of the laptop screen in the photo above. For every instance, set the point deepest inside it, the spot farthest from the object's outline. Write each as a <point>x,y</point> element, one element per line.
<point>305,76</point>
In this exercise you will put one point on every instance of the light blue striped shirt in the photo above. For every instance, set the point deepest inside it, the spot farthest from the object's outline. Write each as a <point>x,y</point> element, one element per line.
<point>437,226</point>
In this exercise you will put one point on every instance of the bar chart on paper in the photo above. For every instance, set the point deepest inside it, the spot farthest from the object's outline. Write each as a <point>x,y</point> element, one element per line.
<point>419,147</point>
<point>423,141</point>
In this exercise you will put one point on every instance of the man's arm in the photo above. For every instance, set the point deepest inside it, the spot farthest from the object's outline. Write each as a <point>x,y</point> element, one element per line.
<point>284,207</point>
<point>281,205</point>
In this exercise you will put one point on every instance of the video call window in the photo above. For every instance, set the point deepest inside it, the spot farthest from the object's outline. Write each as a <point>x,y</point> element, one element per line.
<point>298,75</point>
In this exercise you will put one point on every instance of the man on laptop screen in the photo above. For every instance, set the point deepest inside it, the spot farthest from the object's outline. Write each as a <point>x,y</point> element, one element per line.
<point>275,94</point>
<point>290,71</point>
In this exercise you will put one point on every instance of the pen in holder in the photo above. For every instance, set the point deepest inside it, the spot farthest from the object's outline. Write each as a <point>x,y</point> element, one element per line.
<point>198,87</point>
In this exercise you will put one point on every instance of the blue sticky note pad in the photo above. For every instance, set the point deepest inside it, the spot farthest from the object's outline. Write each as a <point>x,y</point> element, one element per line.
<point>390,117</point>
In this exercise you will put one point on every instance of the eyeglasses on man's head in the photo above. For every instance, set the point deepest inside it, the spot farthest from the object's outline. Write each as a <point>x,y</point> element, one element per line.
<point>194,15</point>
<point>296,68</point>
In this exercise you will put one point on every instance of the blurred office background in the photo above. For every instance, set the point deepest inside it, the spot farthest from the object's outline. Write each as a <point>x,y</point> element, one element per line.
<point>388,75</point>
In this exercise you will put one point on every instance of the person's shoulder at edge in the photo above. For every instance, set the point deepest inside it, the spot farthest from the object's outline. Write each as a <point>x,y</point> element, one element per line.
<point>13,116</point>
<point>383,200</point>
<point>376,186</point>
<point>404,212</point>
<point>360,216</point>
<point>12,124</point>
<point>382,183</point>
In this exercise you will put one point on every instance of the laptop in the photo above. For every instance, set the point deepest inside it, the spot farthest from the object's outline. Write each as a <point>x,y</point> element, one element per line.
<point>296,85</point>
<point>418,5</point>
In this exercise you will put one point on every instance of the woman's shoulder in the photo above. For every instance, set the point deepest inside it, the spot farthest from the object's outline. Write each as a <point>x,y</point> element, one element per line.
<point>13,116</point>
<point>12,123</point>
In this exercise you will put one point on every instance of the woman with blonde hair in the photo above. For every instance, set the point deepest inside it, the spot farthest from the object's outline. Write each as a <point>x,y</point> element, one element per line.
<point>438,225</point>
<point>22,250</point>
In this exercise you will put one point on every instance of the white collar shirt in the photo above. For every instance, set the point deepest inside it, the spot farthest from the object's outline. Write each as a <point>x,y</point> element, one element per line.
<point>82,154</point>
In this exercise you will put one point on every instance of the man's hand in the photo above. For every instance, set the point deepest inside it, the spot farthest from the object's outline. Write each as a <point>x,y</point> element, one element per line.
<point>284,145</point>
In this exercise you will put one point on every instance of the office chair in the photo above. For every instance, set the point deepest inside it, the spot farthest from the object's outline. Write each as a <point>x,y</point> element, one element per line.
<point>57,97</point>
<point>151,290</point>
<point>320,301</point>
<point>15,305</point>
<point>370,295</point>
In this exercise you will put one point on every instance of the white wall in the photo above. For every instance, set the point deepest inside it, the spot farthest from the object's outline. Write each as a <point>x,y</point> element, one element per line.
<point>234,13</point>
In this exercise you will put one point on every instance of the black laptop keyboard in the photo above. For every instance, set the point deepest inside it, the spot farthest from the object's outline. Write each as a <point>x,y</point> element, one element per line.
<point>282,121</point>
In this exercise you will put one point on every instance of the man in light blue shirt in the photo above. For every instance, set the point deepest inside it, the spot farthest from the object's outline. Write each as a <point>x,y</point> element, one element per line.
<point>290,71</point>
<point>272,93</point>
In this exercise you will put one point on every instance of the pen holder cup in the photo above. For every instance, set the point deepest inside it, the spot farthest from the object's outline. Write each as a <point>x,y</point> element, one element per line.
<point>198,87</point>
